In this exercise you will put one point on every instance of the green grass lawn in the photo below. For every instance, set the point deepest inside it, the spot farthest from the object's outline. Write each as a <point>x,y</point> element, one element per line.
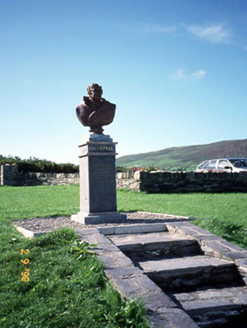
<point>67,291</point>
<point>224,214</point>
<point>62,289</point>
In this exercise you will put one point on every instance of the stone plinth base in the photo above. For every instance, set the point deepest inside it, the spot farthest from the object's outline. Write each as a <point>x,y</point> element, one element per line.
<point>98,199</point>
<point>97,218</point>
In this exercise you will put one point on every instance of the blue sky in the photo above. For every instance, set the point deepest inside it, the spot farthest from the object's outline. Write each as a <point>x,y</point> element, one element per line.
<point>176,69</point>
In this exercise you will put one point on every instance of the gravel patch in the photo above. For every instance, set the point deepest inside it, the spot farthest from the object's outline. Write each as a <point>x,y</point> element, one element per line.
<point>38,225</point>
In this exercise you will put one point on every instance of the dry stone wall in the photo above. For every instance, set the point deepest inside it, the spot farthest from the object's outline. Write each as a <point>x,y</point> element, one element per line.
<point>165,182</point>
<point>11,177</point>
<point>151,182</point>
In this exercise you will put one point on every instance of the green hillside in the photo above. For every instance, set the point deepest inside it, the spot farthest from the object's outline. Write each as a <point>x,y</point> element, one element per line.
<point>186,158</point>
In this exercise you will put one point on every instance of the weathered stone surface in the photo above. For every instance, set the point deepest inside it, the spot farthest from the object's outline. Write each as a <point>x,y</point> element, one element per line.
<point>219,247</point>
<point>242,263</point>
<point>231,246</point>
<point>210,306</point>
<point>25,232</point>
<point>85,232</point>
<point>98,203</point>
<point>102,243</point>
<point>133,229</point>
<point>187,228</point>
<point>142,181</point>
<point>195,262</point>
<point>98,218</point>
<point>191,272</point>
<point>123,272</point>
<point>235,255</point>
<point>141,228</point>
<point>140,287</point>
<point>164,182</point>
<point>147,239</point>
<point>212,237</point>
<point>114,259</point>
<point>9,175</point>
<point>178,318</point>
<point>152,245</point>
<point>172,318</point>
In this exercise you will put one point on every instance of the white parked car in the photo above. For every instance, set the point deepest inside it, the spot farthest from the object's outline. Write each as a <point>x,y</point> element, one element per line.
<point>223,165</point>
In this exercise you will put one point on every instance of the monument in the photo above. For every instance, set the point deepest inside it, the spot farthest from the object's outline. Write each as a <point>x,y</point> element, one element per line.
<point>98,201</point>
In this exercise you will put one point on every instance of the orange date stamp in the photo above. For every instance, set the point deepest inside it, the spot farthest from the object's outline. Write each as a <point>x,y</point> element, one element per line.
<point>26,261</point>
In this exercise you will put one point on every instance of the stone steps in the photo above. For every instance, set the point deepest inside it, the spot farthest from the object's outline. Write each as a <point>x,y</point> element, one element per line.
<point>190,273</point>
<point>214,305</point>
<point>156,245</point>
<point>208,288</point>
<point>198,279</point>
<point>184,275</point>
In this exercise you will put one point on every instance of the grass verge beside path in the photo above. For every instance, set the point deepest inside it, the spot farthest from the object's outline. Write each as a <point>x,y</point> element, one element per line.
<point>65,287</point>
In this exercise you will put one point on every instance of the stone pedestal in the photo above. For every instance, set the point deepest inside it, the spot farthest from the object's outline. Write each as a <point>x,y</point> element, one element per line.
<point>98,201</point>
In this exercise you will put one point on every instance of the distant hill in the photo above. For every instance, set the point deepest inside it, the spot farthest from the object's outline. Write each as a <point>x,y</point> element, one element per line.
<point>187,157</point>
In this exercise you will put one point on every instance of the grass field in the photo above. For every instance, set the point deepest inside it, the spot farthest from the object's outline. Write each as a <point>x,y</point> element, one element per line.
<point>59,283</point>
<point>223,214</point>
<point>66,290</point>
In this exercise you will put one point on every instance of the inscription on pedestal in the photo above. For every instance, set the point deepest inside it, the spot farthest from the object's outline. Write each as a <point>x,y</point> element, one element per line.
<point>101,148</point>
<point>102,179</point>
<point>100,171</point>
<point>97,149</point>
<point>98,197</point>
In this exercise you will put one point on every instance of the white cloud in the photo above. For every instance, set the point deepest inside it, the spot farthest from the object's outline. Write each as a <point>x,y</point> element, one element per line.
<point>182,75</point>
<point>179,75</point>
<point>198,75</point>
<point>212,33</point>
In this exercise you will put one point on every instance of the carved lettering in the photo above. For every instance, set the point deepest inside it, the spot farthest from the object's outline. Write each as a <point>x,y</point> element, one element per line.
<point>101,148</point>
<point>101,171</point>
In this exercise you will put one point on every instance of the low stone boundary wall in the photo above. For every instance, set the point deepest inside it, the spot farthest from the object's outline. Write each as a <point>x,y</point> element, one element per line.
<point>32,179</point>
<point>164,182</point>
<point>151,182</point>
<point>10,176</point>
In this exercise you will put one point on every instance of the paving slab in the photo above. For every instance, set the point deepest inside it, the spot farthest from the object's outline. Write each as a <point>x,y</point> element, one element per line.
<point>235,255</point>
<point>141,239</point>
<point>190,273</point>
<point>171,319</point>
<point>187,228</point>
<point>114,260</point>
<point>214,306</point>
<point>186,263</point>
<point>153,245</point>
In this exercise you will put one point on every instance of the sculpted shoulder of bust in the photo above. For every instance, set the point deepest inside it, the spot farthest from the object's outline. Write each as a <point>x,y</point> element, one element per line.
<point>95,111</point>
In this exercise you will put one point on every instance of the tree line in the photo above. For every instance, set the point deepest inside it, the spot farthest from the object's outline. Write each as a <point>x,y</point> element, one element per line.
<point>34,164</point>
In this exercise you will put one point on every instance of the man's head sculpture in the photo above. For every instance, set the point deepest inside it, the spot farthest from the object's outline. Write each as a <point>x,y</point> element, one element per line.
<point>95,111</point>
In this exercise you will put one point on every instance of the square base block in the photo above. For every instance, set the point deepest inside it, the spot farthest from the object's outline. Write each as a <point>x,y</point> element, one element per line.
<point>97,218</point>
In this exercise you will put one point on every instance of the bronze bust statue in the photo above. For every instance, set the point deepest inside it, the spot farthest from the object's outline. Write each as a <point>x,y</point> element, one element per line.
<point>95,111</point>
